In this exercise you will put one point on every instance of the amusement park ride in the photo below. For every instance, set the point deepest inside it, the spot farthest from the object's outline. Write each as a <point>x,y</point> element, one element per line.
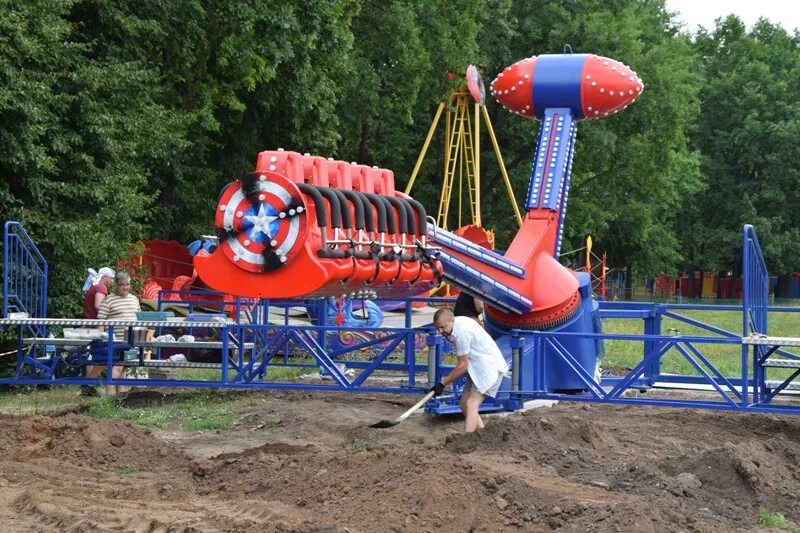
<point>302,226</point>
<point>305,227</point>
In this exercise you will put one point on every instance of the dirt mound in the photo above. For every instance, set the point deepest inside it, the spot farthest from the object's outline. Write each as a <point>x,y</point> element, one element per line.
<point>535,434</point>
<point>309,463</point>
<point>144,398</point>
<point>720,467</point>
<point>427,490</point>
<point>81,440</point>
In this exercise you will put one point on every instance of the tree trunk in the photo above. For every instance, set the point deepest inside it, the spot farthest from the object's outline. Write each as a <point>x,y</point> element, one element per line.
<point>166,202</point>
<point>691,284</point>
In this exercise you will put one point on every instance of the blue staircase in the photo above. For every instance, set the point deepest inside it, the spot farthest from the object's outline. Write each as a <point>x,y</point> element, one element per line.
<point>24,276</point>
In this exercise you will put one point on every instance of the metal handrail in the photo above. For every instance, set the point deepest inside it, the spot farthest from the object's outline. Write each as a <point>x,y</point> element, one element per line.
<point>755,290</point>
<point>21,254</point>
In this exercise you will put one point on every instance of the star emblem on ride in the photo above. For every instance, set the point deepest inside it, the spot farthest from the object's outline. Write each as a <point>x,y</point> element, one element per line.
<point>263,222</point>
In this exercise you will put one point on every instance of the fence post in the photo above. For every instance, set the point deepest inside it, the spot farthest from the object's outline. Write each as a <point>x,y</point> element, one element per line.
<point>434,342</point>
<point>652,326</point>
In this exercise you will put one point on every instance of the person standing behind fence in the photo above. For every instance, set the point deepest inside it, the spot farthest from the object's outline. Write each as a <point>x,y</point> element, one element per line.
<point>122,305</point>
<point>95,290</point>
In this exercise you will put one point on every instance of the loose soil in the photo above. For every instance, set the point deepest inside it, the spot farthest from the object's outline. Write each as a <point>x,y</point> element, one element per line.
<point>309,463</point>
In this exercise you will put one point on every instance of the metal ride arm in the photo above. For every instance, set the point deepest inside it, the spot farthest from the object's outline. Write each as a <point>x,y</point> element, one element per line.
<point>559,90</point>
<point>481,272</point>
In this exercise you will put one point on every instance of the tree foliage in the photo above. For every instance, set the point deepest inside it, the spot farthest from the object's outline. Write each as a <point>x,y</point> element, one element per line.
<point>121,120</point>
<point>77,132</point>
<point>748,132</point>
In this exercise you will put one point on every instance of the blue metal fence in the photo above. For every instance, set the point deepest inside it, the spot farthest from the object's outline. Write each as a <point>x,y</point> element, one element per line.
<point>755,290</point>
<point>360,354</point>
<point>255,352</point>
<point>755,304</point>
<point>24,275</point>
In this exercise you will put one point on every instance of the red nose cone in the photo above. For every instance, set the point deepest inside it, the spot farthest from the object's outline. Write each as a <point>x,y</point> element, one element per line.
<point>607,86</point>
<point>513,87</point>
<point>589,85</point>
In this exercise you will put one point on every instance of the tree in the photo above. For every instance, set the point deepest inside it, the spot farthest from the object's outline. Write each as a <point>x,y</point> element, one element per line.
<point>238,78</point>
<point>117,127</point>
<point>402,55</point>
<point>747,131</point>
<point>74,128</point>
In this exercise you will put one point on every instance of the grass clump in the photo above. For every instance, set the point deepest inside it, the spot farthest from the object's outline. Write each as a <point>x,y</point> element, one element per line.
<point>40,400</point>
<point>769,518</point>
<point>275,372</point>
<point>358,444</point>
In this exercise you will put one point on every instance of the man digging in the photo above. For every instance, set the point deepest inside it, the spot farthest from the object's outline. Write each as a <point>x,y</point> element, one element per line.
<point>478,357</point>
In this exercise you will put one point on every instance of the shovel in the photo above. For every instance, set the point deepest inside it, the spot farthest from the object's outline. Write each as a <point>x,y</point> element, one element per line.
<point>390,423</point>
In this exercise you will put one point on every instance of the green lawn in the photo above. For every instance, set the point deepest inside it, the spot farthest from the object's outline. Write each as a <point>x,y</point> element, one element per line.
<point>727,359</point>
<point>190,410</point>
<point>194,410</point>
<point>36,400</point>
<point>274,373</point>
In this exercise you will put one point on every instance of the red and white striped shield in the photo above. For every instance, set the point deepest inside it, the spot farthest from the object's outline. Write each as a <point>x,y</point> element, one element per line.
<point>261,221</point>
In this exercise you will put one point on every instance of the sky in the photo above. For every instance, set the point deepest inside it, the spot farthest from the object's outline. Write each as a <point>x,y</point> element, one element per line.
<point>703,12</point>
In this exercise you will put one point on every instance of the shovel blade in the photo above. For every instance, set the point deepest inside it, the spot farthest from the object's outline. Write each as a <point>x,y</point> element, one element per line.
<point>390,423</point>
<point>384,424</point>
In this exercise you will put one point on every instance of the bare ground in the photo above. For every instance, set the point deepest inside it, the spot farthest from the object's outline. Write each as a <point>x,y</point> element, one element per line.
<point>308,462</point>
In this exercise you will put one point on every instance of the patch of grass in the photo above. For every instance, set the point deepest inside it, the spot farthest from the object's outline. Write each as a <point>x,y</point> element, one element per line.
<point>275,372</point>
<point>34,399</point>
<point>769,518</point>
<point>726,358</point>
<point>357,444</point>
<point>284,373</point>
<point>190,411</point>
<point>199,374</point>
<point>127,471</point>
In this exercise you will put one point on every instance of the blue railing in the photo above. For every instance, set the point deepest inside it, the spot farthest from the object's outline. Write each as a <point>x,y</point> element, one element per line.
<point>755,292</point>
<point>755,305</point>
<point>252,349</point>
<point>24,274</point>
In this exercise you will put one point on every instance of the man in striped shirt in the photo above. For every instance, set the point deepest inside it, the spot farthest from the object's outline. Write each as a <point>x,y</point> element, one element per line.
<point>122,305</point>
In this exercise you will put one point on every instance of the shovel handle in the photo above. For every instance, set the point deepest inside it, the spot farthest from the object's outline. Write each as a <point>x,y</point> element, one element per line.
<point>416,406</point>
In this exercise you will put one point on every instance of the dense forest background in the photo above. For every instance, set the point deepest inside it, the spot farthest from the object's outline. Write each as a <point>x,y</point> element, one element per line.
<point>121,120</point>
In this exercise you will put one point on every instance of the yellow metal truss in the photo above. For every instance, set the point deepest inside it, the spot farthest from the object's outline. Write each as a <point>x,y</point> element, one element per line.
<point>462,158</point>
